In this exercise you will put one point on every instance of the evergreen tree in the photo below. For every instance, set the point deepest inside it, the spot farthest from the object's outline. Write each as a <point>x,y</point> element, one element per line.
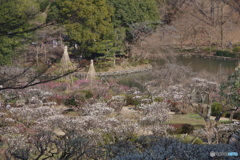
<point>85,21</point>
<point>132,13</point>
<point>128,12</point>
<point>112,46</point>
<point>15,17</point>
<point>16,14</point>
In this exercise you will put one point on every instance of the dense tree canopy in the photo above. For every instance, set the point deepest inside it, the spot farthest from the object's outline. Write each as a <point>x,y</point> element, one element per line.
<point>89,23</point>
<point>136,15</point>
<point>113,45</point>
<point>15,15</point>
<point>15,18</point>
<point>43,4</point>
<point>128,12</point>
<point>85,21</point>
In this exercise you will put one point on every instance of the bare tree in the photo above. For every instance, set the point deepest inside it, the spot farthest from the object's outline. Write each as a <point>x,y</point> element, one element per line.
<point>211,19</point>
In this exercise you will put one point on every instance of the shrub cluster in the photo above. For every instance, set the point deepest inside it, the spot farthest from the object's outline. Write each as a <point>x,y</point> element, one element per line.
<point>183,128</point>
<point>130,100</point>
<point>235,116</point>
<point>225,54</point>
<point>236,49</point>
<point>216,108</point>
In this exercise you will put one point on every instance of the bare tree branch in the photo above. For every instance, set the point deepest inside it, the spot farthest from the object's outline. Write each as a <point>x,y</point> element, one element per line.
<point>32,83</point>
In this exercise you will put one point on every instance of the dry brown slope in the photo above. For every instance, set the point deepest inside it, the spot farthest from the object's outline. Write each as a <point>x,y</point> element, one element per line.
<point>193,26</point>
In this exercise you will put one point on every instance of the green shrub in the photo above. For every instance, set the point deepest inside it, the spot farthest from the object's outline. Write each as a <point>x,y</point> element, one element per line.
<point>103,66</point>
<point>71,101</point>
<point>198,141</point>
<point>131,101</point>
<point>87,94</point>
<point>236,116</point>
<point>7,49</point>
<point>208,49</point>
<point>43,4</point>
<point>182,128</point>
<point>225,54</point>
<point>227,115</point>
<point>187,128</point>
<point>236,49</point>
<point>5,60</point>
<point>216,108</point>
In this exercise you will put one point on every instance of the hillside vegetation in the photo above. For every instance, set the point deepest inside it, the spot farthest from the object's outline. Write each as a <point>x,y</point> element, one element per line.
<point>92,28</point>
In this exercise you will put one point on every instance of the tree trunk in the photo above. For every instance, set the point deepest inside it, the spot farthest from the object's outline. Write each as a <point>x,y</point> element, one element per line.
<point>114,59</point>
<point>221,26</point>
<point>212,10</point>
<point>37,55</point>
<point>231,116</point>
<point>45,53</point>
<point>208,129</point>
<point>61,43</point>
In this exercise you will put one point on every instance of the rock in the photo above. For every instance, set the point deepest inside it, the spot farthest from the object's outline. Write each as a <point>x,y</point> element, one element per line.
<point>8,106</point>
<point>59,132</point>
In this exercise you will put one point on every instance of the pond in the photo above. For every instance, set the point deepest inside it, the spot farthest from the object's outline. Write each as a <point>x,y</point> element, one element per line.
<point>226,67</point>
<point>214,66</point>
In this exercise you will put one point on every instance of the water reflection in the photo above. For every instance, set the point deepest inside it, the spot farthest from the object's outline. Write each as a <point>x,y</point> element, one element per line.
<point>214,66</point>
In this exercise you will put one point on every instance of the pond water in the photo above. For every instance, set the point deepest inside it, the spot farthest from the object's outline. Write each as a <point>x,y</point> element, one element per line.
<point>226,67</point>
<point>214,66</point>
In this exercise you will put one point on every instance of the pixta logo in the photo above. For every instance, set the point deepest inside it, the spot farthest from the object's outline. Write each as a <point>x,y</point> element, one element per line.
<point>223,154</point>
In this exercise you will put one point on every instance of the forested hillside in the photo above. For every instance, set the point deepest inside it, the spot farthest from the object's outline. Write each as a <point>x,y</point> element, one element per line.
<point>97,27</point>
<point>108,28</point>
